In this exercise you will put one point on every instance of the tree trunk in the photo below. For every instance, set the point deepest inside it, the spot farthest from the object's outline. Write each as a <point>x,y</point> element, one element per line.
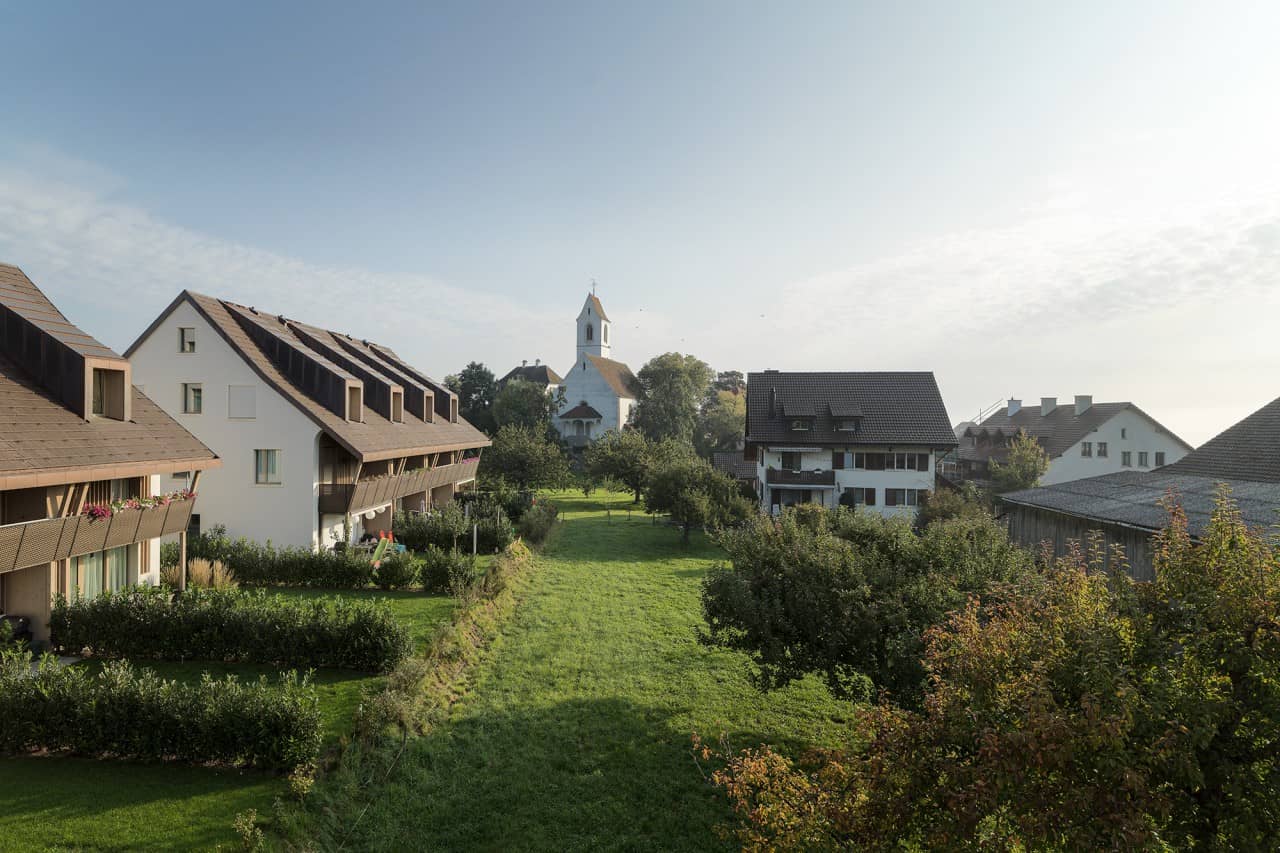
<point>686,533</point>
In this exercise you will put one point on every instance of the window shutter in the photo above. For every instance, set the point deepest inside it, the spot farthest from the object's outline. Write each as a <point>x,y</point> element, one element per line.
<point>837,460</point>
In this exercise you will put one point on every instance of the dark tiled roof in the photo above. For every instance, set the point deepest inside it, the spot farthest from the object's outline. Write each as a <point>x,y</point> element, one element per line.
<point>1057,432</point>
<point>20,295</point>
<point>896,408</point>
<point>582,410</point>
<point>373,439</point>
<point>732,463</point>
<point>1249,450</point>
<point>618,375</point>
<point>540,374</point>
<point>1132,498</point>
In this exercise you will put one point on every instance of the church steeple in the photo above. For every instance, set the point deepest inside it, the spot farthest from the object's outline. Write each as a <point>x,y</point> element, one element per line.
<point>594,334</point>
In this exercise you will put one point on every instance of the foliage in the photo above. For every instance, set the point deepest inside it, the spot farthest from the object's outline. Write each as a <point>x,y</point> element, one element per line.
<point>106,510</point>
<point>255,564</point>
<point>125,713</point>
<point>537,523</point>
<point>722,423</point>
<point>476,389</point>
<point>210,574</point>
<point>170,554</point>
<point>847,595</point>
<point>627,457</point>
<point>943,503</point>
<point>493,530</point>
<point>695,495</point>
<point>442,527</point>
<point>732,381</point>
<point>231,625</point>
<point>525,458</point>
<point>527,404</point>
<point>1026,464</point>
<point>439,566</point>
<point>1089,713</point>
<point>672,387</point>
<point>396,570</point>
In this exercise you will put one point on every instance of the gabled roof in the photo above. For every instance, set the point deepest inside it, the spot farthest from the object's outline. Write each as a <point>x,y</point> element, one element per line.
<point>596,306</point>
<point>1248,450</point>
<point>582,411</point>
<point>20,295</point>
<point>539,374</point>
<point>1056,432</point>
<point>731,462</point>
<point>896,408</point>
<point>373,439</point>
<point>618,375</point>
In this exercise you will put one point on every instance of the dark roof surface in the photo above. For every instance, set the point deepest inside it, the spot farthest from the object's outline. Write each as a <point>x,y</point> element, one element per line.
<point>20,295</point>
<point>896,408</point>
<point>540,374</point>
<point>1060,429</point>
<point>1132,498</point>
<point>582,410</point>
<point>1249,450</point>
<point>732,463</point>
<point>618,375</point>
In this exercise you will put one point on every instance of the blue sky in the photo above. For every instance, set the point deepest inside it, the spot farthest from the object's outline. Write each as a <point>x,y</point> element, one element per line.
<point>1027,198</point>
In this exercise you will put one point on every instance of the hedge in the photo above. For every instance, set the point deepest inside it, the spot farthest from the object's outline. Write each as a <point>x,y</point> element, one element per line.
<point>262,565</point>
<point>231,625</point>
<point>121,712</point>
<point>450,527</point>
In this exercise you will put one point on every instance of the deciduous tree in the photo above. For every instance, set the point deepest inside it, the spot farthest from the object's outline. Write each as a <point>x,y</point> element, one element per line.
<point>476,388</point>
<point>1026,464</point>
<point>694,494</point>
<point>721,423</point>
<point>628,457</point>
<point>672,388</point>
<point>527,404</point>
<point>526,458</point>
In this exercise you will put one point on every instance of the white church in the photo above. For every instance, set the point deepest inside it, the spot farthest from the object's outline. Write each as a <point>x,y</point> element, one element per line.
<point>599,392</point>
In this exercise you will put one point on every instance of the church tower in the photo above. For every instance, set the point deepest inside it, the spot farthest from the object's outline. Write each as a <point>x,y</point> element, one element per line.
<point>593,329</point>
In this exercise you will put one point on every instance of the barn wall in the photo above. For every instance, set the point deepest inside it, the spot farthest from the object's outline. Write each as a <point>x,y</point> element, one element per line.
<point>1030,527</point>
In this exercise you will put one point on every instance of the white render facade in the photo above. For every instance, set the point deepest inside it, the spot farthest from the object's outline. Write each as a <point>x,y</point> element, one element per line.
<point>1129,441</point>
<point>872,488</point>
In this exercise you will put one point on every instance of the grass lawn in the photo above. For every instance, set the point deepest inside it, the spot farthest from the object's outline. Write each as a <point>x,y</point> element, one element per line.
<point>72,803</point>
<point>576,734</point>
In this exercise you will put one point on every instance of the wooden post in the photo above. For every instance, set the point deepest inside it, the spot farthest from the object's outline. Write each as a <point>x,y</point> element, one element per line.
<point>182,561</point>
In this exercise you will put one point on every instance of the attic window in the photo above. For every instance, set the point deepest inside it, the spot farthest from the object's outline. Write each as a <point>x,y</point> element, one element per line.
<point>108,393</point>
<point>355,407</point>
<point>453,410</point>
<point>801,424</point>
<point>186,339</point>
<point>850,425</point>
<point>397,407</point>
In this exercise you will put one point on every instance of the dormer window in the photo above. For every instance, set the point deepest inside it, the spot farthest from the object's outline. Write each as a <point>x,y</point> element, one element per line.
<point>355,401</point>
<point>108,393</point>
<point>801,424</point>
<point>850,425</point>
<point>397,407</point>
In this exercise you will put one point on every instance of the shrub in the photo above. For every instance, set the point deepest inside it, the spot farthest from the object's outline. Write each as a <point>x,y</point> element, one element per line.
<point>493,531</point>
<point>439,566</point>
<point>396,570</point>
<point>126,713</point>
<point>231,625</point>
<point>257,565</point>
<point>442,527</point>
<point>537,522</point>
<point>170,553</point>
<point>210,575</point>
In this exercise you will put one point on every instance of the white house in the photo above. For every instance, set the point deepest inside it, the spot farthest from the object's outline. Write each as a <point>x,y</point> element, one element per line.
<point>1082,439</point>
<point>599,392</point>
<point>860,439</point>
<point>322,435</point>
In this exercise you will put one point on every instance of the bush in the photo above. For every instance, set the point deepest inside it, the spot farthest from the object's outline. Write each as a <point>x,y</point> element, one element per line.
<point>258,565</point>
<point>170,554</point>
<point>493,532</point>
<point>537,522</point>
<point>231,625</point>
<point>125,713</point>
<point>439,566</point>
<point>396,570</point>
<point>442,527</point>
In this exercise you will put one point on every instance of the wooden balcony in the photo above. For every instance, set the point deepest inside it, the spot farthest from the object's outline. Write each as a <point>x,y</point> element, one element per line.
<point>775,477</point>
<point>35,543</point>
<point>373,492</point>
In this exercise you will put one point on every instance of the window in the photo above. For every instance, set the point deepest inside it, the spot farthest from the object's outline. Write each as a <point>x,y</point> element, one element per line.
<point>1142,459</point>
<point>791,461</point>
<point>1126,458</point>
<point>107,393</point>
<point>1102,450</point>
<point>266,467</point>
<point>841,460</point>
<point>1086,448</point>
<point>397,407</point>
<point>590,332</point>
<point>869,461</point>
<point>1159,458</point>
<point>90,575</point>
<point>801,425</point>
<point>99,392</point>
<point>850,425</point>
<point>604,331</point>
<point>192,398</point>
<point>186,339</point>
<point>355,403</point>
<point>242,402</point>
<point>902,497</point>
<point>859,496</point>
<point>1124,433</point>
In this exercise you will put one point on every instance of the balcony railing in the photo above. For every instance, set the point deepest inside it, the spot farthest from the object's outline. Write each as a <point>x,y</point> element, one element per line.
<point>35,543</point>
<point>775,477</point>
<point>378,491</point>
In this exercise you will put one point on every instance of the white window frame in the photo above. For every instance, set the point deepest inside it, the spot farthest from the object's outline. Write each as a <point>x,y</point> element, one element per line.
<point>257,467</point>
<point>187,387</point>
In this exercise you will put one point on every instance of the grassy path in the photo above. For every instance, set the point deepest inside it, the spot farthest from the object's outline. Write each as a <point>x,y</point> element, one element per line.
<point>576,733</point>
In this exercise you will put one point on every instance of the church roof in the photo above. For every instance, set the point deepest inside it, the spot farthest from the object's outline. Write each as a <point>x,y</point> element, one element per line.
<point>595,303</point>
<point>618,375</point>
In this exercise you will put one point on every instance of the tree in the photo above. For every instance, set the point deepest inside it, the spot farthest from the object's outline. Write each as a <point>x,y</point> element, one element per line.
<point>944,503</point>
<point>732,381</point>
<point>1026,464</point>
<point>527,404</point>
<point>694,494</point>
<point>672,388</point>
<point>628,457</point>
<point>476,388</point>
<point>525,458</point>
<point>1087,712</point>
<point>722,423</point>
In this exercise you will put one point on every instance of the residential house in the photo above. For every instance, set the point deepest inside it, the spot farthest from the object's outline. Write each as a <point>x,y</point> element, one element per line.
<point>76,437</point>
<point>743,471</point>
<point>1082,439</point>
<point>862,439</point>
<point>599,392</point>
<point>1124,508</point>
<point>324,435</point>
<point>538,373</point>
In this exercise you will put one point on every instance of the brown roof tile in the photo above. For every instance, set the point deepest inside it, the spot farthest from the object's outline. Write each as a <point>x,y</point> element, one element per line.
<point>618,375</point>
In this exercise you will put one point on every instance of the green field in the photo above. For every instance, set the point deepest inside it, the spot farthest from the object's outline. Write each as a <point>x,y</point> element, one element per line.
<point>576,734</point>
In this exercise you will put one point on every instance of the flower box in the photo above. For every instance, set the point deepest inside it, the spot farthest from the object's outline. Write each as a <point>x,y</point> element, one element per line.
<point>91,535</point>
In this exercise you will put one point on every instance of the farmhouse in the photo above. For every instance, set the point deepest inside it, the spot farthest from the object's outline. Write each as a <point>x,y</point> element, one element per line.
<point>85,463</point>
<point>861,439</point>
<point>1082,439</point>
<point>1124,508</point>
<point>538,373</point>
<point>599,392</point>
<point>324,435</point>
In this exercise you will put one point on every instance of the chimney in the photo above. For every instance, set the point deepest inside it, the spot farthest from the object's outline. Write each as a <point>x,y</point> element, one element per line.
<point>1047,405</point>
<point>1015,406</point>
<point>1083,403</point>
<point>537,362</point>
<point>773,402</point>
<point>524,362</point>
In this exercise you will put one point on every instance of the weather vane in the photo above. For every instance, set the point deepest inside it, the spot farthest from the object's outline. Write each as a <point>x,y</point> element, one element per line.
<point>593,287</point>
